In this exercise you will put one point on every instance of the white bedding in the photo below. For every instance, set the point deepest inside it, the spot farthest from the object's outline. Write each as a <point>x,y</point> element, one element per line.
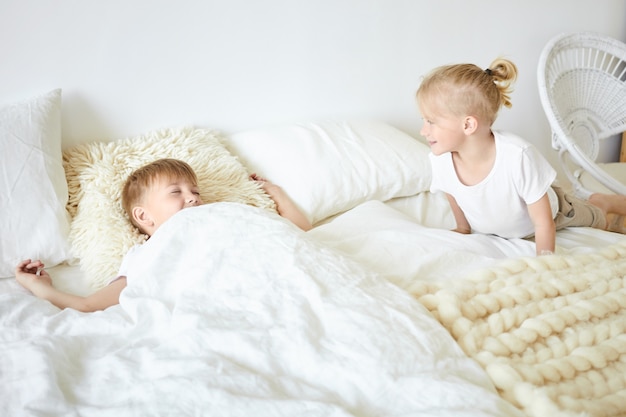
<point>393,243</point>
<point>231,310</point>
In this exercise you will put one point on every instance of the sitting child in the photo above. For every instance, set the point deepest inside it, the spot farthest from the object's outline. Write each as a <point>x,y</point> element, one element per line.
<point>151,195</point>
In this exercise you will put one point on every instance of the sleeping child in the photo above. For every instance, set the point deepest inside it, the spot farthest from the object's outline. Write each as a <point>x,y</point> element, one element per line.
<point>151,195</point>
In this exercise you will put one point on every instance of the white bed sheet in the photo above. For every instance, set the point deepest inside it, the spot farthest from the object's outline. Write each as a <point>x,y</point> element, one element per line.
<point>409,240</point>
<point>231,310</point>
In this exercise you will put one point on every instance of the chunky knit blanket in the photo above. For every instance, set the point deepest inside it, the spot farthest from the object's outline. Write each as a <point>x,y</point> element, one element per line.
<point>550,331</point>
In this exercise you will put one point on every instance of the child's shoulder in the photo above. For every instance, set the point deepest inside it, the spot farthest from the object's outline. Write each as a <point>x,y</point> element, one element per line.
<point>514,149</point>
<point>509,138</point>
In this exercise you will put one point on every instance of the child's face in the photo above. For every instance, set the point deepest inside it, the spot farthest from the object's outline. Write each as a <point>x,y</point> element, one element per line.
<point>443,131</point>
<point>167,196</point>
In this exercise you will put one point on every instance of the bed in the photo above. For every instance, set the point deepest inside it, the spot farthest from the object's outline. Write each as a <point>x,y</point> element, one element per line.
<point>379,310</point>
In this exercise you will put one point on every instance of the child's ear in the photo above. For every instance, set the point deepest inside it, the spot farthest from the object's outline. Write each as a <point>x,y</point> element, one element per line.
<point>142,217</point>
<point>470,124</point>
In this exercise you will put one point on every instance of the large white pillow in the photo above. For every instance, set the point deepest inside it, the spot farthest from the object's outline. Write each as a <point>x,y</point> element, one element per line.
<point>330,167</point>
<point>33,191</point>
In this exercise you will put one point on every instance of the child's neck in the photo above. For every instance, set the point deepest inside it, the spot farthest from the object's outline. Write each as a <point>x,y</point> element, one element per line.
<point>474,162</point>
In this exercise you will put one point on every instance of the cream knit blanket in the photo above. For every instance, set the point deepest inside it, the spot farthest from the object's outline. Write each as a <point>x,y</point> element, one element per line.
<point>549,331</point>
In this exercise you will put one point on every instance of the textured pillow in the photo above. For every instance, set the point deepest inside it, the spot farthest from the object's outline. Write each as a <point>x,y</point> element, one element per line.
<point>33,192</point>
<point>100,232</point>
<point>330,167</point>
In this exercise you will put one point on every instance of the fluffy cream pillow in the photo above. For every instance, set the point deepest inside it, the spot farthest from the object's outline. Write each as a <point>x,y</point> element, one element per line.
<point>33,192</point>
<point>100,232</point>
<point>332,166</point>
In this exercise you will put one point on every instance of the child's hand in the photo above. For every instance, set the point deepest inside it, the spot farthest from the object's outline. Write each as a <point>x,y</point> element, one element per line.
<point>31,275</point>
<point>269,187</point>
<point>284,205</point>
<point>262,181</point>
<point>255,177</point>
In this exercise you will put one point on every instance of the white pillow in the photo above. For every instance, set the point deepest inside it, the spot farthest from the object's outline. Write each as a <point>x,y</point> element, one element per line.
<point>33,191</point>
<point>330,167</point>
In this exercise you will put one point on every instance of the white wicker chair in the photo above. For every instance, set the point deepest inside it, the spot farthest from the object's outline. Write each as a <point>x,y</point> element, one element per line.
<point>582,86</point>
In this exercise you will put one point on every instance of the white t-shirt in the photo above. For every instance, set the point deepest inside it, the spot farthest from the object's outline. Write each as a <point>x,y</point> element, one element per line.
<point>498,204</point>
<point>126,261</point>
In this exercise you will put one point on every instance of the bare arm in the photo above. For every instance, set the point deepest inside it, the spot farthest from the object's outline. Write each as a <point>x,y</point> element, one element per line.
<point>41,286</point>
<point>462,225</point>
<point>285,206</point>
<point>545,230</point>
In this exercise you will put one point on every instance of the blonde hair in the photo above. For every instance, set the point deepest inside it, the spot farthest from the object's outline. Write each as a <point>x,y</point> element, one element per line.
<point>143,178</point>
<point>466,89</point>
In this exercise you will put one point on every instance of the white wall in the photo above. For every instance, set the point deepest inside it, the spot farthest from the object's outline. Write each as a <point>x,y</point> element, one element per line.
<point>129,66</point>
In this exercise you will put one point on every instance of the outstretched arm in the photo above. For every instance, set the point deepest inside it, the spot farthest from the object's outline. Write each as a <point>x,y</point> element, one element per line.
<point>41,286</point>
<point>285,206</point>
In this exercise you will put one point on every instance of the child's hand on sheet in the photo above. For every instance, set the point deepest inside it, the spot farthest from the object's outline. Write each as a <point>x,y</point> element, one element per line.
<point>31,275</point>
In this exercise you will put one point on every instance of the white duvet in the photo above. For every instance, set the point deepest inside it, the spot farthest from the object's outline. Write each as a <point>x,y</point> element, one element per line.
<point>232,311</point>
